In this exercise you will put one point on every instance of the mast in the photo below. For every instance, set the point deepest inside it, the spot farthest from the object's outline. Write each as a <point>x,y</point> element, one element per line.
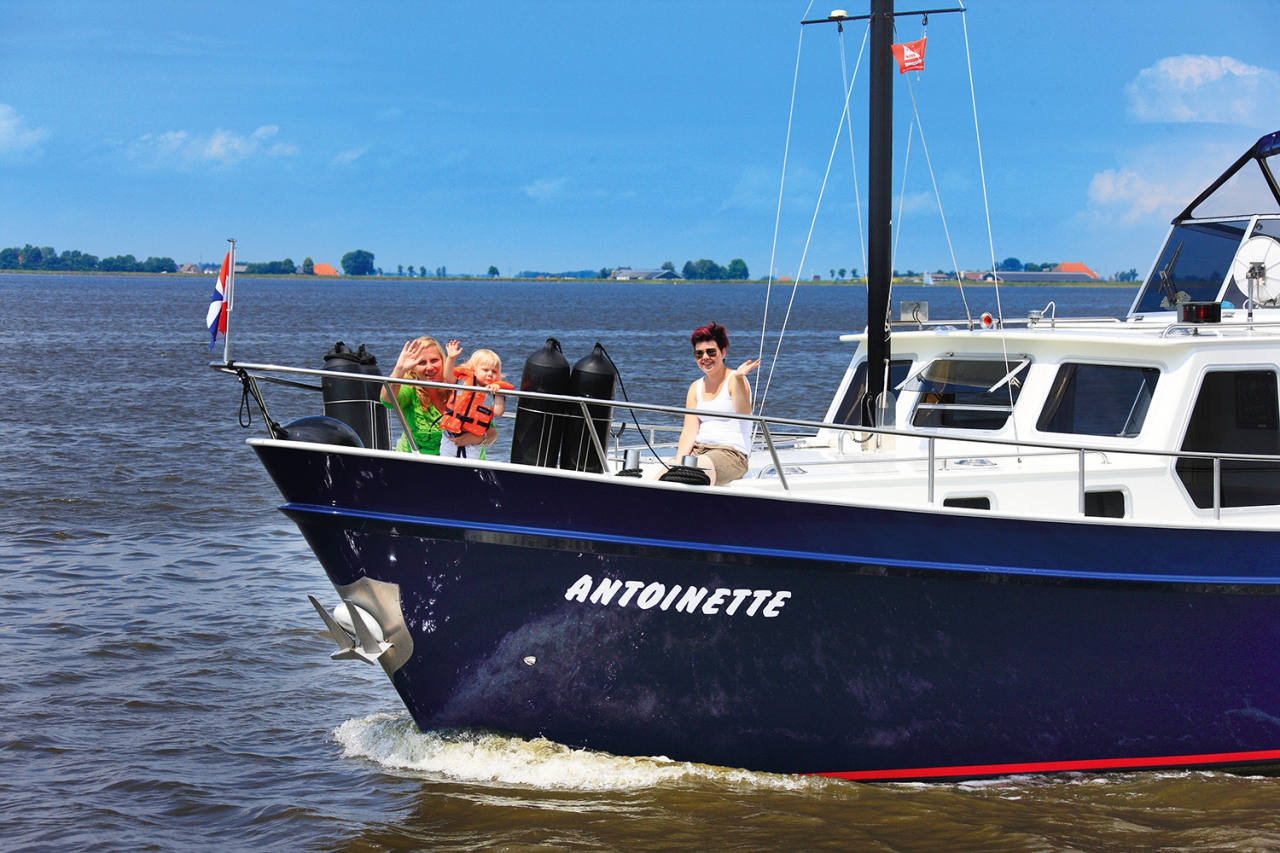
<point>879,206</point>
<point>879,191</point>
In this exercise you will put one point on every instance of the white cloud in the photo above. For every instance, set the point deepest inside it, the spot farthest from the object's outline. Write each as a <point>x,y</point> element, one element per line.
<point>756,189</point>
<point>346,158</point>
<point>1214,89</point>
<point>544,188</point>
<point>15,137</point>
<point>453,158</point>
<point>1131,196</point>
<point>916,202</point>
<point>1156,183</point>
<point>222,147</point>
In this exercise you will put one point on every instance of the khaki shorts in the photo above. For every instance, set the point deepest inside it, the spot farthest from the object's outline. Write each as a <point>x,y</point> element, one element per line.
<point>730,463</point>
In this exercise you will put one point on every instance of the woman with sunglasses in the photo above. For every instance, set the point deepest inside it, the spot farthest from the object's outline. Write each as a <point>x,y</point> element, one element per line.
<point>721,444</point>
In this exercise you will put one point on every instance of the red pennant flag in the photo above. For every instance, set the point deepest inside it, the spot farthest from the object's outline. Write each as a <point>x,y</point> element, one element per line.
<point>910,56</point>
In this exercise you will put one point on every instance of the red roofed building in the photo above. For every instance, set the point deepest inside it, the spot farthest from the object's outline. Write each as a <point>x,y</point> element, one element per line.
<point>325,269</point>
<point>1075,266</point>
<point>1073,271</point>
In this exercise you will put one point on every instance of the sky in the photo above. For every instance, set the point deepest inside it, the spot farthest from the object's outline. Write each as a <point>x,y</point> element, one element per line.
<point>558,136</point>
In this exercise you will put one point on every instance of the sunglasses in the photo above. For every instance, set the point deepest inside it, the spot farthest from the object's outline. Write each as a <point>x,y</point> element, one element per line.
<point>709,352</point>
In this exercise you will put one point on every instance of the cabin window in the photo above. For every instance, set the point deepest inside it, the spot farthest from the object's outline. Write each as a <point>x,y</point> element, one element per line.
<point>1235,412</point>
<point>1196,259</point>
<point>967,393</point>
<point>847,411</point>
<point>1104,504</point>
<point>1099,399</point>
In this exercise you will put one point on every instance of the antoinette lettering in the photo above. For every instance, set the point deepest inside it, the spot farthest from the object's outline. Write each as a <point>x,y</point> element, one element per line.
<point>766,602</point>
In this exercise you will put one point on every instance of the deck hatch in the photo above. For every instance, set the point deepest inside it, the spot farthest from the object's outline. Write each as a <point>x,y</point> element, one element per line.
<point>967,393</point>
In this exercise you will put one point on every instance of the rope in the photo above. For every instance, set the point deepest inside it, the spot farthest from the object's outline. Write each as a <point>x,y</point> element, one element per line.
<point>687,475</point>
<point>245,416</point>
<point>640,430</point>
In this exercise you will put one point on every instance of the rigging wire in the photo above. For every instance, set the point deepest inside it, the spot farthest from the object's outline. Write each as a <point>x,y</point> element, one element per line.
<point>937,194</point>
<point>782,183</point>
<point>986,205</point>
<point>902,197</point>
<point>916,123</point>
<point>795,284</point>
<point>853,156</point>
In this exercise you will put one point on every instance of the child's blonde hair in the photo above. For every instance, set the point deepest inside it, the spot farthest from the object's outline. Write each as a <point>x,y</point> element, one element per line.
<point>485,358</point>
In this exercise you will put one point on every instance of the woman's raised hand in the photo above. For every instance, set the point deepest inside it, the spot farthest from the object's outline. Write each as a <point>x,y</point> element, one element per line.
<point>453,349</point>
<point>408,356</point>
<point>747,366</point>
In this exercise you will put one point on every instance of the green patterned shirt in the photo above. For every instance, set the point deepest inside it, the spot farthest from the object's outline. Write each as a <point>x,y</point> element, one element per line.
<point>425,425</point>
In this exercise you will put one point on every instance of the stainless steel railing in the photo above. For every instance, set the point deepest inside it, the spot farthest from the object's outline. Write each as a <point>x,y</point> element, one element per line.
<point>765,424</point>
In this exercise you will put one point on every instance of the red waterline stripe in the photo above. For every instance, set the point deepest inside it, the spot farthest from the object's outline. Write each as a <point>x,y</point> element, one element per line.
<point>972,770</point>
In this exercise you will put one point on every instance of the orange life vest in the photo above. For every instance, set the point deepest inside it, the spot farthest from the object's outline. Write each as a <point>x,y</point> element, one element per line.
<point>466,411</point>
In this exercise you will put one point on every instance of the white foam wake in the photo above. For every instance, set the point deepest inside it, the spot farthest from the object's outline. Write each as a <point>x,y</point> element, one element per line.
<point>394,742</point>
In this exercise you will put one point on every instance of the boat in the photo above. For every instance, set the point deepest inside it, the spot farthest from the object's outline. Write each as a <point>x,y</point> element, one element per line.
<point>1010,546</point>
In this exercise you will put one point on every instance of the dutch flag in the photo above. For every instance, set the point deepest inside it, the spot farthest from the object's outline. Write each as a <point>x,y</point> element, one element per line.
<point>217,317</point>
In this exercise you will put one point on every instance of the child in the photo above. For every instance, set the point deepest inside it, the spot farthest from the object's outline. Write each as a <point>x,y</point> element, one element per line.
<point>467,424</point>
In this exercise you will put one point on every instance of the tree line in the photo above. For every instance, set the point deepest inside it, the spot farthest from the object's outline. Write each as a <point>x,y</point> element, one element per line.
<point>46,258</point>
<point>708,270</point>
<point>1015,265</point>
<point>360,262</point>
<point>354,263</point>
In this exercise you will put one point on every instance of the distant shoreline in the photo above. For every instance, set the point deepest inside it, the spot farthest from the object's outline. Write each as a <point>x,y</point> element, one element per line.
<point>606,281</point>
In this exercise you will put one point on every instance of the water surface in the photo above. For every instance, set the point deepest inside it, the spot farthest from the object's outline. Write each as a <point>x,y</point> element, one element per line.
<point>168,686</point>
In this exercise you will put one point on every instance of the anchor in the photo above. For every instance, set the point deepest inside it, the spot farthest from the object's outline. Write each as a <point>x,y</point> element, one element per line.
<point>355,630</point>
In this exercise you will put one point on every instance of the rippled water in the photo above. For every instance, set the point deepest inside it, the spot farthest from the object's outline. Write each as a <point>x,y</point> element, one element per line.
<point>167,685</point>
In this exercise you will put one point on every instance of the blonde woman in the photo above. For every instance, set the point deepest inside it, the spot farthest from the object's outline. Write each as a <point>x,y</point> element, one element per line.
<point>422,359</point>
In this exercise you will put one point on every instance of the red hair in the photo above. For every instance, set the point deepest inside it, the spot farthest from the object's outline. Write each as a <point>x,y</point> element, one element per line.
<point>711,332</point>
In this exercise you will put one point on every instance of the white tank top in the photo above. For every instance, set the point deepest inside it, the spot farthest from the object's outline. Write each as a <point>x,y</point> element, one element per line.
<point>725,432</point>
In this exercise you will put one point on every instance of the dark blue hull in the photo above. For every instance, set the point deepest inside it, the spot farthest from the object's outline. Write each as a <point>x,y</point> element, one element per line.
<point>804,637</point>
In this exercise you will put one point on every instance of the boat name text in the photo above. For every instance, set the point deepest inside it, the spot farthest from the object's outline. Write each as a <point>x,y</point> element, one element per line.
<point>767,602</point>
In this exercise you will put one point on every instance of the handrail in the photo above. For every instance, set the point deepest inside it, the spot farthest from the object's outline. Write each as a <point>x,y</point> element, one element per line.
<point>1009,322</point>
<point>1242,328</point>
<point>589,426</point>
<point>930,436</point>
<point>773,452</point>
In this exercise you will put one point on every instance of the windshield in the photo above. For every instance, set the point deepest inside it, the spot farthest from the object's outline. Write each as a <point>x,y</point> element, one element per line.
<point>1195,261</point>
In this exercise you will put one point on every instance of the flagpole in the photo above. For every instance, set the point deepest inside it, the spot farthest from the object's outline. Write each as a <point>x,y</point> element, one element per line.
<point>231,289</point>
